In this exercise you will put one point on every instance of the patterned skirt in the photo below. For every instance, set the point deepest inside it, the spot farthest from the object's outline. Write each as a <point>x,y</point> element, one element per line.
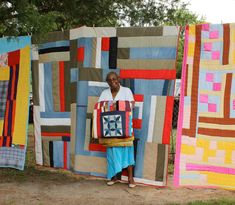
<point>119,158</point>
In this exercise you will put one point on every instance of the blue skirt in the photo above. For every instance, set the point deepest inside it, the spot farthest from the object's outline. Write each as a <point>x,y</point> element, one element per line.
<point>119,158</point>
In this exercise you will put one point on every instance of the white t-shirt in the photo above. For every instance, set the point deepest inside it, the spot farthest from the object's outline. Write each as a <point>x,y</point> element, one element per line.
<point>124,93</point>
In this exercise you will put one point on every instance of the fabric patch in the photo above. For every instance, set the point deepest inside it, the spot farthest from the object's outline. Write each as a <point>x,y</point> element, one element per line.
<point>3,97</point>
<point>216,86</point>
<point>3,60</point>
<point>210,77</point>
<point>112,126</point>
<point>206,142</point>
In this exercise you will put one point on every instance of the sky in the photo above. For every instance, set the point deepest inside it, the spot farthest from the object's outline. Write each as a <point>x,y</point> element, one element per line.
<point>215,11</point>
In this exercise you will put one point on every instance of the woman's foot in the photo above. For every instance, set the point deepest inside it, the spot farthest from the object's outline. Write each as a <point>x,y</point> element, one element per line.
<point>132,183</point>
<point>112,181</point>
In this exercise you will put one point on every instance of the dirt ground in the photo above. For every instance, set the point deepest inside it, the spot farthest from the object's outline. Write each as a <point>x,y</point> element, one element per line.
<point>90,190</point>
<point>45,186</point>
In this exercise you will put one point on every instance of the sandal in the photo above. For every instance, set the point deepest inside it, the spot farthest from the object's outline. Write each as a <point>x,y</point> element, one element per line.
<point>110,183</point>
<point>131,185</point>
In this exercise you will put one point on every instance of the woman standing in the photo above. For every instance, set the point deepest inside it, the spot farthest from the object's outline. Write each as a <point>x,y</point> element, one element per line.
<point>118,157</point>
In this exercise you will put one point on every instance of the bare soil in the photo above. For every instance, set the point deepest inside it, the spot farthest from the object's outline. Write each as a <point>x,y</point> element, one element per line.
<point>44,186</point>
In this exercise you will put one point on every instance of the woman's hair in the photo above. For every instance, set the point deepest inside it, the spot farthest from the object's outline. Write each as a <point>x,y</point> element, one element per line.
<point>111,73</point>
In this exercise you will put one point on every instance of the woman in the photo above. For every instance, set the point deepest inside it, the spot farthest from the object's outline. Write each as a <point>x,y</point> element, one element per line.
<point>118,158</point>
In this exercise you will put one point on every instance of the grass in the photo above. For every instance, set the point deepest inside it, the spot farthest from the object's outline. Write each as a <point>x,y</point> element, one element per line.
<point>221,201</point>
<point>34,173</point>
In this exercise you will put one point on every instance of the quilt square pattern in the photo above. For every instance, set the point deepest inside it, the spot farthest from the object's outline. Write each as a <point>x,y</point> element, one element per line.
<point>206,134</point>
<point>113,119</point>
<point>112,125</point>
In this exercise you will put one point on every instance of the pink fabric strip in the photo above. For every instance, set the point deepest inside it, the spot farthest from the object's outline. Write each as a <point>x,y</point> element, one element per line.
<point>210,168</point>
<point>180,117</point>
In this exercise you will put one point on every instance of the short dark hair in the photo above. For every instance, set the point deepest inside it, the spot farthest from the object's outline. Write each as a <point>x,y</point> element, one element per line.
<point>111,73</point>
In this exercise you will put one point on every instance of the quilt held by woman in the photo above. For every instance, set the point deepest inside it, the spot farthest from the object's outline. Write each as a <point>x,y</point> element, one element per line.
<point>112,119</point>
<point>205,151</point>
<point>14,100</point>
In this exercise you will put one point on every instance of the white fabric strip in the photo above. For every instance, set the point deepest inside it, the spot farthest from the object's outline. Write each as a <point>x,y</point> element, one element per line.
<point>98,84</point>
<point>37,133</point>
<point>41,88</point>
<point>151,118</point>
<point>171,30</point>
<point>98,53</point>
<point>55,121</point>
<point>92,32</point>
<point>95,125</point>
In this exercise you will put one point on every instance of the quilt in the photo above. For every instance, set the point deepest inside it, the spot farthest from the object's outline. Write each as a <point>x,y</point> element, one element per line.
<point>112,119</point>
<point>51,96</point>
<point>14,100</point>
<point>205,151</point>
<point>145,60</point>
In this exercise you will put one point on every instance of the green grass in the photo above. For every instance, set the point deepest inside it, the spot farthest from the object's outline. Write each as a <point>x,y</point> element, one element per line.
<point>35,173</point>
<point>222,201</point>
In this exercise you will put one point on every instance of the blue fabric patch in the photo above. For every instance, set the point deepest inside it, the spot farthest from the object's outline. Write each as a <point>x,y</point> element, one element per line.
<point>153,53</point>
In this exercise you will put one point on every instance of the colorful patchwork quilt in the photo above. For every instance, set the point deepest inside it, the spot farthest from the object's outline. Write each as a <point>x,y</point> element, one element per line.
<point>205,152</point>
<point>112,119</point>
<point>51,95</point>
<point>145,60</point>
<point>14,100</point>
<point>69,76</point>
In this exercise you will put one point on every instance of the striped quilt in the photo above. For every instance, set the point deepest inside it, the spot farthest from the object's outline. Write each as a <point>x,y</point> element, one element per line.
<point>14,100</point>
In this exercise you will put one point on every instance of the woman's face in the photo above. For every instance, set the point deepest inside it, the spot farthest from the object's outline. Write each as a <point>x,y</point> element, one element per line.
<point>113,82</point>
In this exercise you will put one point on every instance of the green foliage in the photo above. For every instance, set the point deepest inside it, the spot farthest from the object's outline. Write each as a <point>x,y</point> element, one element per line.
<point>38,17</point>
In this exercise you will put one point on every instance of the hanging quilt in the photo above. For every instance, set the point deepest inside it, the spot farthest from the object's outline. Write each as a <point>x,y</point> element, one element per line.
<point>205,151</point>
<point>14,100</point>
<point>145,59</point>
<point>51,95</point>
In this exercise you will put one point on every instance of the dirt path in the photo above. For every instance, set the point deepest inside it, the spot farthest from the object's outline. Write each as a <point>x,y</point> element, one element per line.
<point>89,190</point>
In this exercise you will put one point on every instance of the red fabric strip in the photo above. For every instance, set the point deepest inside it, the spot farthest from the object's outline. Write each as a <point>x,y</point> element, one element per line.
<point>105,44</point>
<point>6,119</point>
<point>65,155</point>
<point>97,147</point>
<point>98,123</point>
<point>14,58</point>
<point>80,54</point>
<point>148,74</point>
<point>8,143</point>
<point>13,81</point>
<point>55,134</point>
<point>138,98</point>
<point>168,120</point>
<point>137,123</point>
<point>1,141</point>
<point>13,115</point>
<point>127,123</point>
<point>62,99</point>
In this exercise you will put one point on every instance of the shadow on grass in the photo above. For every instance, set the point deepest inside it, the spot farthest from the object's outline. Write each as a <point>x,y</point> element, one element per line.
<point>34,173</point>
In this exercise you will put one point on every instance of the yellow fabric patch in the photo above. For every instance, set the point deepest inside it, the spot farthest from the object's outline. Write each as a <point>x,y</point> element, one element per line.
<point>21,116</point>
<point>4,73</point>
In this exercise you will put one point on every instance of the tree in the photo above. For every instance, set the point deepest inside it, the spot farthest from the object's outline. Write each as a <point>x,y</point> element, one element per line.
<point>22,17</point>
<point>38,17</point>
